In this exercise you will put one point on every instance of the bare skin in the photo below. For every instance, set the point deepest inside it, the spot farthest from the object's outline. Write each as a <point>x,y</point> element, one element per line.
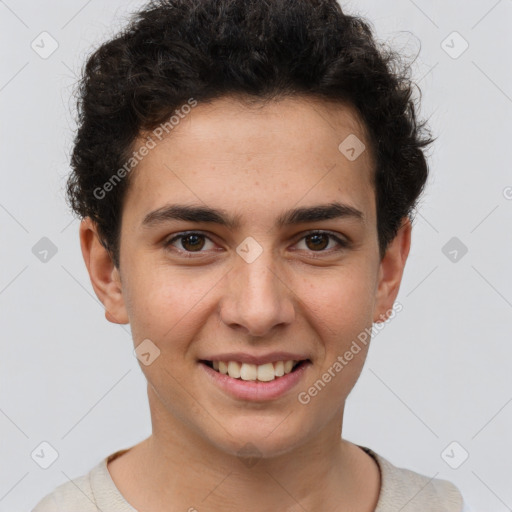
<point>296,296</point>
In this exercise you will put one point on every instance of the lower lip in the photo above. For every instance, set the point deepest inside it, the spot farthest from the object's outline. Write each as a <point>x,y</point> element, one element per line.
<point>256,390</point>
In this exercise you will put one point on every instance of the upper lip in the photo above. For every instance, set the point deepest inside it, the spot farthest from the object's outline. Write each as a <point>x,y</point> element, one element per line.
<point>242,357</point>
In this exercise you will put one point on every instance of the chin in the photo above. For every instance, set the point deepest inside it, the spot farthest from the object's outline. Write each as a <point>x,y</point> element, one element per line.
<point>259,439</point>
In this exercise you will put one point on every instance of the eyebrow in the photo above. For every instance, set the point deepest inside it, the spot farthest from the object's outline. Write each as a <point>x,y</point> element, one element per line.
<point>192,213</point>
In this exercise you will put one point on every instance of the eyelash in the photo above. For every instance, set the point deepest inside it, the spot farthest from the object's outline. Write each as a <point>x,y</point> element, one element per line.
<point>191,254</point>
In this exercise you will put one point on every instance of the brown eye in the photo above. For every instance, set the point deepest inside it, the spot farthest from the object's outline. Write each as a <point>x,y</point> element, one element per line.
<point>188,243</point>
<point>192,242</point>
<point>317,241</point>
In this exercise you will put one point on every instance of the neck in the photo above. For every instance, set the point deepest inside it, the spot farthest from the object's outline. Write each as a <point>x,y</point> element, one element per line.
<point>181,470</point>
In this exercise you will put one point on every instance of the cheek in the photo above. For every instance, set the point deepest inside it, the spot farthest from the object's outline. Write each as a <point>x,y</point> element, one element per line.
<point>165,301</point>
<point>340,312</point>
<point>340,302</point>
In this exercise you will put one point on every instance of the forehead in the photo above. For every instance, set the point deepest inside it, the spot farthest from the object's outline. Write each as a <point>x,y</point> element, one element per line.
<point>256,158</point>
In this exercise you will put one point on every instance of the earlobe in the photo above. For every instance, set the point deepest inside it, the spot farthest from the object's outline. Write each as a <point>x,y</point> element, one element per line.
<point>391,271</point>
<point>103,273</point>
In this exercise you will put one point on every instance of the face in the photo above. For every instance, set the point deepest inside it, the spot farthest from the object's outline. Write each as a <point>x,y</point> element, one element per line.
<point>275,259</point>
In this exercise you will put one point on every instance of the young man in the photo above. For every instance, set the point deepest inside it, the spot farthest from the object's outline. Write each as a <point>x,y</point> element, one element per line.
<point>246,172</point>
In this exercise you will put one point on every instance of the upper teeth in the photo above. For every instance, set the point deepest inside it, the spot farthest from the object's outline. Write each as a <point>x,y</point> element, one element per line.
<point>246,371</point>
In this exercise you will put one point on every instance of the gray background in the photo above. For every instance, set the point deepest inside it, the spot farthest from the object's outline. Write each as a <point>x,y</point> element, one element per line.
<point>437,373</point>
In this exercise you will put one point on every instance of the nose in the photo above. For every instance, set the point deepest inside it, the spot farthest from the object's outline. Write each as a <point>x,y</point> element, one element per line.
<point>257,300</point>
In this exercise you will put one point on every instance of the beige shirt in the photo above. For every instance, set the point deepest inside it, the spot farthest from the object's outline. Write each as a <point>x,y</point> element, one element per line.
<point>401,489</point>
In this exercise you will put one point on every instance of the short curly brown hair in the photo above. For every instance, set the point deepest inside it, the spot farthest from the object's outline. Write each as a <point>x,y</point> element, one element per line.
<point>174,50</point>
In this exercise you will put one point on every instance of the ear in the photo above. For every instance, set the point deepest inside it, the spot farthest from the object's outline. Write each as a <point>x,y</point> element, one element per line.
<point>391,271</point>
<point>105,277</point>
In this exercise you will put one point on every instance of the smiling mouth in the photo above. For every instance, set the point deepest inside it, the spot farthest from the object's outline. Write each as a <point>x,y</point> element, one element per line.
<point>252,372</point>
